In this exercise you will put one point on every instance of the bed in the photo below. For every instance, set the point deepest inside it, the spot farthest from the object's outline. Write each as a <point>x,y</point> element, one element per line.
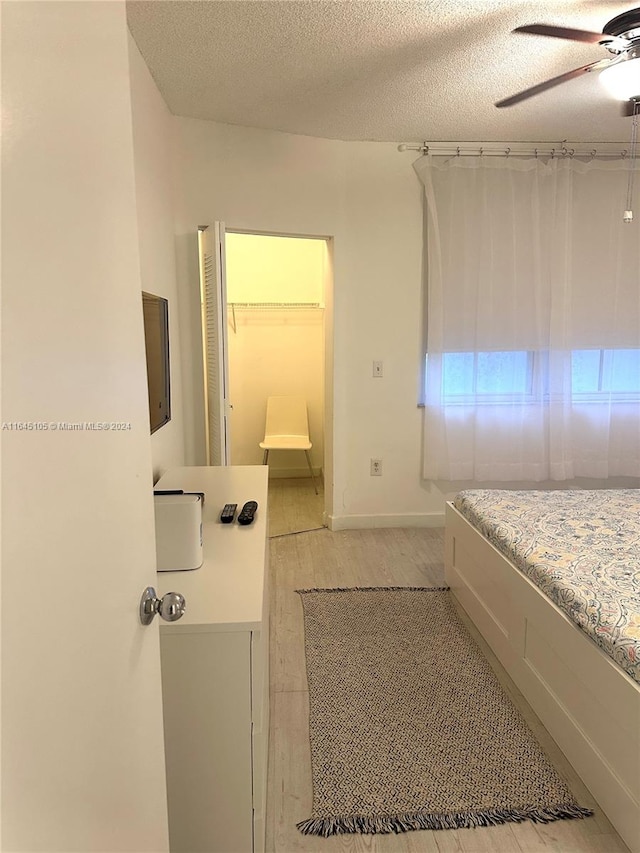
<point>551,579</point>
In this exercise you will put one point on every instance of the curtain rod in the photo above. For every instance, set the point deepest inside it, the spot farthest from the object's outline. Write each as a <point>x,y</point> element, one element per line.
<point>561,150</point>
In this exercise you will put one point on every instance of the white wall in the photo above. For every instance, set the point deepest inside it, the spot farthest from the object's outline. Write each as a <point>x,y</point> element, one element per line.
<point>365,196</point>
<point>152,128</point>
<point>266,268</point>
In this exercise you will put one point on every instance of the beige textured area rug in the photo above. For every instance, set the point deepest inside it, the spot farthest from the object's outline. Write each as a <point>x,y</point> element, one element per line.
<point>409,726</point>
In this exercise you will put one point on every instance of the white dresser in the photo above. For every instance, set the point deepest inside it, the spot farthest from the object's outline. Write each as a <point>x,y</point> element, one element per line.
<point>215,677</point>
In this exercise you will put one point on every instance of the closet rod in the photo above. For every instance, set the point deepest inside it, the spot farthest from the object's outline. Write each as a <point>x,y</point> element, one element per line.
<point>543,150</point>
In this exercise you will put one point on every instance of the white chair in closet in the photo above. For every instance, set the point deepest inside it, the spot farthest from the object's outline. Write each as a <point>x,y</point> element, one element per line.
<point>287,428</point>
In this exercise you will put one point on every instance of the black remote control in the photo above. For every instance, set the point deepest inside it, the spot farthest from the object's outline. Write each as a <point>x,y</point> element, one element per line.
<point>247,512</point>
<point>228,513</point>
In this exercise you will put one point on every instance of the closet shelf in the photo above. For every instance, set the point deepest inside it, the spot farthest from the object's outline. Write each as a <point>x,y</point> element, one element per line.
<point>276,305</point>
<point>268,306</point>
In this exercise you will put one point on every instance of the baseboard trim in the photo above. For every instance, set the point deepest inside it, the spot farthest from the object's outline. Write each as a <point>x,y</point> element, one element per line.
<point>359,522</point>
<point>293,473</point>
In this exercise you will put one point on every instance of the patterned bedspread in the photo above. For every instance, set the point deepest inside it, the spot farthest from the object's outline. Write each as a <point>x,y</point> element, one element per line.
<point>582,548</point>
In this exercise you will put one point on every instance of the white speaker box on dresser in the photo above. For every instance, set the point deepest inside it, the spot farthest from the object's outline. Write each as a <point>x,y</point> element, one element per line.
<point>178,520</point>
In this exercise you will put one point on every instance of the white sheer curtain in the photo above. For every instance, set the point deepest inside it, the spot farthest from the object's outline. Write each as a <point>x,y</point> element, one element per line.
<point>533,320</point>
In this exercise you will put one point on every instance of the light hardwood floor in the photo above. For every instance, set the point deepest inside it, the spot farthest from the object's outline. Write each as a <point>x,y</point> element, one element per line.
<point>412,557</point>
<point>294,505</point>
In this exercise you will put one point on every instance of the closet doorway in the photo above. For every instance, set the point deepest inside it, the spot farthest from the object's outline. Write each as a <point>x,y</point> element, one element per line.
<point>277,332</point>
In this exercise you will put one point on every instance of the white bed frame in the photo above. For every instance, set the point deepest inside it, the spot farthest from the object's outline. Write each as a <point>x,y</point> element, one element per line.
<point>586,702</point>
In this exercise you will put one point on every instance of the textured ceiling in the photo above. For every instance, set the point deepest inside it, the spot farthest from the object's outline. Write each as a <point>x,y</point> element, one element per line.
<point>398,70</point>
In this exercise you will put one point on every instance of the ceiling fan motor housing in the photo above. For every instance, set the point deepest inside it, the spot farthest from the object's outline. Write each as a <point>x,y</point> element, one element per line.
<point>626,25</point>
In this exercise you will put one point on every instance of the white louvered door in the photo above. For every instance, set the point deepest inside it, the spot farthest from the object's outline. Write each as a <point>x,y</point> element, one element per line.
<point>213,298</point>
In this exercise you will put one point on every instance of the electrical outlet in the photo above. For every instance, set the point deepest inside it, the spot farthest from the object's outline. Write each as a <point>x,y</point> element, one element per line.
<point>376,468</point>
<point>377,369</point>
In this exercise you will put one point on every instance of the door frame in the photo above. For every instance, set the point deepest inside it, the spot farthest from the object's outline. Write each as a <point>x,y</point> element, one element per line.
<point>328,347</point>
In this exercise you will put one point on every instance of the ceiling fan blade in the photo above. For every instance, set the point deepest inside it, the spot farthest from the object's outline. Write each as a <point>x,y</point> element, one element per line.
<point>548,84</point>
<point>561,33</point>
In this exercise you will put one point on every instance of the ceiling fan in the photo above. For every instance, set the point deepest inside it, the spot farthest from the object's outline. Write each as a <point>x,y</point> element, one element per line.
<point>619,73</point>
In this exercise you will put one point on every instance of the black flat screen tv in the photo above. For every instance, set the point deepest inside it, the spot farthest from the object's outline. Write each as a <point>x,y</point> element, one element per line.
<point>155,311</point>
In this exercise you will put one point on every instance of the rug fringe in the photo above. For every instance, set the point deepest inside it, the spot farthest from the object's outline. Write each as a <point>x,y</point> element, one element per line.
<point>377,588</point>
<point>386,824</point>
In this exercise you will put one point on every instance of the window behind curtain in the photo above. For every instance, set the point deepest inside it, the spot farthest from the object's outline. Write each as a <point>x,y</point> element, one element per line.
<point>533,321</point>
